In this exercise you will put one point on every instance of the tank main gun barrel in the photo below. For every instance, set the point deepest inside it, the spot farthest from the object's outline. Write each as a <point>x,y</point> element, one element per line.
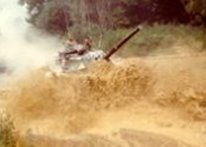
<point>121,43</point>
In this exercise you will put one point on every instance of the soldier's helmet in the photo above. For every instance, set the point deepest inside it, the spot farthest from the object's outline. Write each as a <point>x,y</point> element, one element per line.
<point>71,41</point>
<point>88,43</point>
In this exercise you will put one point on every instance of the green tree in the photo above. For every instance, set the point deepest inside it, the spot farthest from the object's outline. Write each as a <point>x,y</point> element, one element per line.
<point>50,15</point>
<point>61,16</point>
<point>197,10</point>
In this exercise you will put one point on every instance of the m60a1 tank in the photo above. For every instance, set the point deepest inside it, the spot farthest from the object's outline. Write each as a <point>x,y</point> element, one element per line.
<point>78,56</point>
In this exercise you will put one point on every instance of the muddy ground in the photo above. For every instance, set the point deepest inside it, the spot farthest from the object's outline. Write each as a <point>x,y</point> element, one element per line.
<point>147,102</point>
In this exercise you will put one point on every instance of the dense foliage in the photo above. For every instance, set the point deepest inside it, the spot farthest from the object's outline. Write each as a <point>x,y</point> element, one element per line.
<point>58,16</point>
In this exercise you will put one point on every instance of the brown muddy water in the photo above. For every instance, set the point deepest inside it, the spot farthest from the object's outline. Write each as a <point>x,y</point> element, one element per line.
<point>161,95</point>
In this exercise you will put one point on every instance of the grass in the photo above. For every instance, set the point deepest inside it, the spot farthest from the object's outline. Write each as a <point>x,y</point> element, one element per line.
<point>157,39</point>
<point>152,40</point>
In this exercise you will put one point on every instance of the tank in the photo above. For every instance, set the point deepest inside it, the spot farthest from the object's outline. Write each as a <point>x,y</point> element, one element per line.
<point>76,58</point>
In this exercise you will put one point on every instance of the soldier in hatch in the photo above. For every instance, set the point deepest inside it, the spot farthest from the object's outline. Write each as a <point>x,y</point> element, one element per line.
<point>73,49</point>
<point>78,49</point>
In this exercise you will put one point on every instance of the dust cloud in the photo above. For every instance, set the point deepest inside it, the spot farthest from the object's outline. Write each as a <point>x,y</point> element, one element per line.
<point>22,48</point>
<point>164,97</point>
<point>75,98</point>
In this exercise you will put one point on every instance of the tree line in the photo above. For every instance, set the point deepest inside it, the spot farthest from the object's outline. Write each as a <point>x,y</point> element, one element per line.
<point>60,16</point>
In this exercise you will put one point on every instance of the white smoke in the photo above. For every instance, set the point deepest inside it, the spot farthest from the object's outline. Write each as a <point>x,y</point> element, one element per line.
<point>21,46</point>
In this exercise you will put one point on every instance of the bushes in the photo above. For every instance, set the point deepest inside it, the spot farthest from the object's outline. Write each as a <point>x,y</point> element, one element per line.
<point>7,135</point>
